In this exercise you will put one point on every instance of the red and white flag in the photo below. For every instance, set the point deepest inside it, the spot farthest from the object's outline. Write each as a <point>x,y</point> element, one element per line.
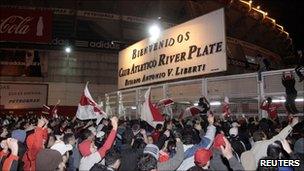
<point>165,102</point>
<point>88,108</point>
<point>191,111</point>
<point>55,109</point>
<point>149,112</point>
<point>226,108</point>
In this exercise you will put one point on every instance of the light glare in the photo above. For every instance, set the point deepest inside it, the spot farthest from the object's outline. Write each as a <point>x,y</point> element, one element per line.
<point>215,103</point>
<point>154,31</point>
<point>68,50</point>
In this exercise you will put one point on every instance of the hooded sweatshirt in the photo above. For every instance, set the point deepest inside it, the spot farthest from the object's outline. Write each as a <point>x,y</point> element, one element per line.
<point>89,159</point>
<point>34,144</point>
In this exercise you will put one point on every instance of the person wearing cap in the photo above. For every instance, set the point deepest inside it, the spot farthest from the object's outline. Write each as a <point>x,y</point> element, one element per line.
<point>222,147</point>
<point>202,158</point>
<point>190,149</point>
<point>251,158</point>
<point>89,152</point>
<point>35,143</point>
<point>10,159</point>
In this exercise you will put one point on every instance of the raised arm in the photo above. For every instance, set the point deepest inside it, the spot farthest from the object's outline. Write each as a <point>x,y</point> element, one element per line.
<point>176,160</point>
<point>227,153</point>
<point>285,132</point>
<point>206,141</point>
<point>108,144</point>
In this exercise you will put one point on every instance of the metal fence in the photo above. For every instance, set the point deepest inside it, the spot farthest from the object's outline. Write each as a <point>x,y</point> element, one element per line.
<point>244,91</point>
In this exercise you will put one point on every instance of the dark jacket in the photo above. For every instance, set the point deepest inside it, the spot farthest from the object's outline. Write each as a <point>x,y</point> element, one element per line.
<point>196,168</point>
<point>21,151</point>
<point>218,162</point>
<point>289,85</point>
<point>237,145</point>
<point>100,167</point>
<point>129,158</point>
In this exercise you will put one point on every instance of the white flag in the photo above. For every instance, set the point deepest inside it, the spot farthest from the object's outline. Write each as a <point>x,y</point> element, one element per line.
<point>88,108</point>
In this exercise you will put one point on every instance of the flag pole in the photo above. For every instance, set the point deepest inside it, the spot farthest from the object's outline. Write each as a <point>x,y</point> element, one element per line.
<point>55,106</point>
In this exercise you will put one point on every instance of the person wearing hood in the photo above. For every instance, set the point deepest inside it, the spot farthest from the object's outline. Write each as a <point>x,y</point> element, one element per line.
<point>251,158</point>
<point>89,152</point>
<point>35,142</point>
<point>190,148</point>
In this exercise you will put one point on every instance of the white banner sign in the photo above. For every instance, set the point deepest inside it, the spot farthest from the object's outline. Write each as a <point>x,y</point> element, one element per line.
<point>23,96</point>
<point>196,47</point>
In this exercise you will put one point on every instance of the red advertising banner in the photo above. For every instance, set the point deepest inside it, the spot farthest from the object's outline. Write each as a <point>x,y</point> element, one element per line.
<point>25,25</point>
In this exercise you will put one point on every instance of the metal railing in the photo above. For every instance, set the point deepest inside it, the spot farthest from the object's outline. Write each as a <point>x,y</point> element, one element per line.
<point>245,93</point>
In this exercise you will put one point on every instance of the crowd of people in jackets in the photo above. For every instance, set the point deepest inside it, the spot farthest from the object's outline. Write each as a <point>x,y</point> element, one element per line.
<point>202,142</point>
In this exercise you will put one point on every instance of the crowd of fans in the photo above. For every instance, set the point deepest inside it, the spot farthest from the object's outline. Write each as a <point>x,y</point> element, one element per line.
<point>203,142</point>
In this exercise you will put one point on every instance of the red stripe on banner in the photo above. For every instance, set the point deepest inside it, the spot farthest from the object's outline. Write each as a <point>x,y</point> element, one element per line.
<point>85,101</point>
<point>157,116</point>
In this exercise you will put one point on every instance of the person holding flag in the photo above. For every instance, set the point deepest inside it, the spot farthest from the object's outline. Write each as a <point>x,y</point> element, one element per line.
<point>226,108</point>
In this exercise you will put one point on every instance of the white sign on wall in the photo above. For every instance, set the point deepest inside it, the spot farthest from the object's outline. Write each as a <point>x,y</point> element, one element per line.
<point>23,96</point>
<point>196,47</point>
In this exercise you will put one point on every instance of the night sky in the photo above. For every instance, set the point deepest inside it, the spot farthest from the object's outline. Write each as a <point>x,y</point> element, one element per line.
<point>289,14</point>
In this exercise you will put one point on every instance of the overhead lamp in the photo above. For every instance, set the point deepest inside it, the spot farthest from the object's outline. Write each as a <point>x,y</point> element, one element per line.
<point>68,49</point>
<point>154,31</point>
